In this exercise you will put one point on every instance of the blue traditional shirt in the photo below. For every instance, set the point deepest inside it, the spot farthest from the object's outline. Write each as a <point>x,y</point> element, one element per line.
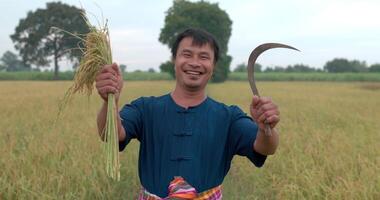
<point>197,143</point>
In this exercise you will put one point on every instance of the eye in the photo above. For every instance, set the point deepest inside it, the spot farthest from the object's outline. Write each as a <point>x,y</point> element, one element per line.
<point>187,55</point>
<point>205,57</point>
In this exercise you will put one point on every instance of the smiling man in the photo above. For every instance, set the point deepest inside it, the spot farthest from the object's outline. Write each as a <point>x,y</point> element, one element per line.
<point>187,139</point>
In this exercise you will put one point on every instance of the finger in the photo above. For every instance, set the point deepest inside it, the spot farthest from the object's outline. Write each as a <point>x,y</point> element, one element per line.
<point>116,68</point>
<point>105,68</point>
<point>106,90</point>
<point>263,117</point>
<point>264,100</point>
<point>266,107</point>
<point>273,119</point>
<point>105,76</point>
<point>107,82</point>
<point>108,69</point>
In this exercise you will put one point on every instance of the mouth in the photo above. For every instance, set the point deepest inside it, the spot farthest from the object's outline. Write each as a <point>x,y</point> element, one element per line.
<point>190,72</point>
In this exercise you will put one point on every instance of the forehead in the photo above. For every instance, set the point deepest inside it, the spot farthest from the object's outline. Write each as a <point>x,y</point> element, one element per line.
<point>190,44</point>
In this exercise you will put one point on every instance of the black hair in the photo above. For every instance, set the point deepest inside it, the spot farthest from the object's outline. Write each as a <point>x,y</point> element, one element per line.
<point>200,37</point>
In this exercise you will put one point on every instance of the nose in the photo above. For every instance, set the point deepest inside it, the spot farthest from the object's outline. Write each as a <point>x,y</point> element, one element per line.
<point>194,63</point>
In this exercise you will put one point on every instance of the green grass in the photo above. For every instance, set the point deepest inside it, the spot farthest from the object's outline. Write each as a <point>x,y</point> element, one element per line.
<point>328,150</point>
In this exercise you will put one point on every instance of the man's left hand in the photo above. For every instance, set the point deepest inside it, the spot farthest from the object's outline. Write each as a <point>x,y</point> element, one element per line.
<point>264,111</point>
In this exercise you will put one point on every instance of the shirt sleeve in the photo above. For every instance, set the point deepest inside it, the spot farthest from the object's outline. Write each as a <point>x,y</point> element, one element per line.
<point>131,120</point>
<point>243,133</point>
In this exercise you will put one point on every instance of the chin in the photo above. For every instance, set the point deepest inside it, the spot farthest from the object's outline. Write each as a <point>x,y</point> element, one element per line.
<point>193,85</point>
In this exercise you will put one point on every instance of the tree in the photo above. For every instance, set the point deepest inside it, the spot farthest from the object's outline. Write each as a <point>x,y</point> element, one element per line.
<point>123,68</point>
<point>299,68</point>
<point>151,70</point>
<point>336,65</point>
<point>375,68</point>
<point>275,69</point>
<point>243,67</point>
<point>208,16</point>
<point>37,41</point>
<point>2,67</point>
<point>344,65</point>
<point>359,66</point>
<point>168,67</point>
<point>11,62</point>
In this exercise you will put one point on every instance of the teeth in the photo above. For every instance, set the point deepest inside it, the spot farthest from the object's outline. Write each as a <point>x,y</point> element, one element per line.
<point>193,72</point>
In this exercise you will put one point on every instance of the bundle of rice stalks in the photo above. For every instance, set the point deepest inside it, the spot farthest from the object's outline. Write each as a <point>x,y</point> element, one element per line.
<point>96,54</point>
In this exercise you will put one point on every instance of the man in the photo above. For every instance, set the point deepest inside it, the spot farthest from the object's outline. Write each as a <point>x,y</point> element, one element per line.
<point>187,139</point>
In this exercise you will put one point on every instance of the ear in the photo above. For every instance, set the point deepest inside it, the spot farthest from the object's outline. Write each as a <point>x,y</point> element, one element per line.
<point>212,71</point>
<point>173,61</point>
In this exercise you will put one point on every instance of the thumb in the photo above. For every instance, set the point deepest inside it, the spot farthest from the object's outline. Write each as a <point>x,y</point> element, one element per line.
<point>255,101</point>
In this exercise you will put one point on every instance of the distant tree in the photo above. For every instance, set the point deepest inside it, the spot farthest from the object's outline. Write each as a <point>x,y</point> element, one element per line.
<point>268,69</point>
<point>275,69</point>
<point>258,67</point>
<point>375,67</point>
<point>208,16</point>
<point>36,69</point>
<point>337,65</point>
<point>123,67</point>
<point>37,41</point>
<point>12,63</point>
<point>359,66</point>
<point>242,67</point>
<point>343,65</point>
<point>299,68</point>
<point>168,67</point>
<point>2,67</point>
<point>151,70</point>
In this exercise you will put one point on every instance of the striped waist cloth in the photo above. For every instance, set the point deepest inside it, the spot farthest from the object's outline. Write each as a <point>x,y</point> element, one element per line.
<point>179,189</point>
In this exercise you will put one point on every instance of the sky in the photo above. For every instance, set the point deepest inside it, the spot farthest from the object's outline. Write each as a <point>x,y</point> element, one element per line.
<point>321,29</point>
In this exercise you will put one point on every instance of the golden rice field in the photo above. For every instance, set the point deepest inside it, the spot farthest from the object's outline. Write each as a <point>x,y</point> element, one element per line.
<point>329,149</point>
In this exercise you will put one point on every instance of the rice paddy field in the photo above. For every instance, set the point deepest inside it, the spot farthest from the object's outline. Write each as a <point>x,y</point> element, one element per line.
<point>329,148</point>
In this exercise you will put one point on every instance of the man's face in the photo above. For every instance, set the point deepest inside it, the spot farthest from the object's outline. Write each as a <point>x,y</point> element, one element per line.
<point>193,64</point>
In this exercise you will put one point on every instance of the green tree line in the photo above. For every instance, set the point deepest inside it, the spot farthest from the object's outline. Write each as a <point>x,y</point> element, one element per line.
<point>337,65</point>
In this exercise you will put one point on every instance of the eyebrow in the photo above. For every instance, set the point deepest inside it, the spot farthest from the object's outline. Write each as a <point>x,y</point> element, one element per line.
<point>204,53</point>
<point>187,50</point>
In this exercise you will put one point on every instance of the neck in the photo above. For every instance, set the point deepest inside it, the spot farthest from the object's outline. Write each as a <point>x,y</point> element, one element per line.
<point>186,98</point>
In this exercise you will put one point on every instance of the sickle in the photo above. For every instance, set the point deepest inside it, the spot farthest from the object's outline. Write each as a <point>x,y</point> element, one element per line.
<point>251,62</point>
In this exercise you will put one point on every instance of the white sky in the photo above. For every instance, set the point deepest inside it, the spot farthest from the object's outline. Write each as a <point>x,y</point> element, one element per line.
<point>321,29</point>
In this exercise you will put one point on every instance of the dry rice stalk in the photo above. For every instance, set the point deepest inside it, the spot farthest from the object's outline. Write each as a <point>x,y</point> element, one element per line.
<point>97,53</point>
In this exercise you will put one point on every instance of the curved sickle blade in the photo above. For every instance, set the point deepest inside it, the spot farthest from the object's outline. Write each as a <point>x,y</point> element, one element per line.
<point>251,63</point>
<point>253,57</point>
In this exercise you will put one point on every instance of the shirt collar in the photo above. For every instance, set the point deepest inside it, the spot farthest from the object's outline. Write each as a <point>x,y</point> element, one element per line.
<point>190,109</point>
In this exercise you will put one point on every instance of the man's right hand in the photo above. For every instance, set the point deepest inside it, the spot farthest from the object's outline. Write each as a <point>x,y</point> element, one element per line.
<point>109,80</point>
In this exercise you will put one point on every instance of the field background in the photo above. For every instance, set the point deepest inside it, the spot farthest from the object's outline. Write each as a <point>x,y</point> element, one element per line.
<point>233,76</point>
<point>329,149</point>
